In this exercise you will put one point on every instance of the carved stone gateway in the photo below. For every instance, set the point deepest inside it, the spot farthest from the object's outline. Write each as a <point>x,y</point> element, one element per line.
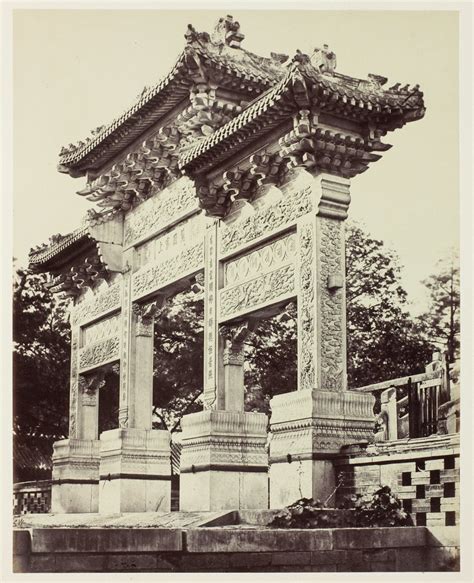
<point>232,174</point>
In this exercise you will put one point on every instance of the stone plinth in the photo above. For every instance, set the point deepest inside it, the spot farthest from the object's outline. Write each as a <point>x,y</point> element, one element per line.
<point>308,429</point>
<point>75,485</point>
<point>224,461</point>
<point>135,471</point>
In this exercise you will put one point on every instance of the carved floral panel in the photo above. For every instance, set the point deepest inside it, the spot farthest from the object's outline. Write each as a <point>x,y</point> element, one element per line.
<point>99,353</point>
<point>257,292</point>
<point>306,305</point>
<point>156,276</point>
<point>160,211</point>
<point>105,301</point>
<point>295,203</point>
<point>260,260</point>
<point>102,329</point>
<point>331,306</point>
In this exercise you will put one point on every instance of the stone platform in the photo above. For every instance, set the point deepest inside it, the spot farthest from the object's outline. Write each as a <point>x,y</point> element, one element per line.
<point>236,543</point>
<point>171,520</point>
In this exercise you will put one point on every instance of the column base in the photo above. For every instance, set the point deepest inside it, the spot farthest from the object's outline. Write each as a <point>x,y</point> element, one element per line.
<point>224,461</point>
<point>75,483</point>
<point>135,471</point>
<point>308,430</point>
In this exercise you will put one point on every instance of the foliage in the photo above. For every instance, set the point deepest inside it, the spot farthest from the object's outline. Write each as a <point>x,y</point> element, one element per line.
<point>178,359</point>
<point>382,508</point>
<point>41,359</point>
<point>271,356</point>
<point>441,322</point>
<point>383,341</point>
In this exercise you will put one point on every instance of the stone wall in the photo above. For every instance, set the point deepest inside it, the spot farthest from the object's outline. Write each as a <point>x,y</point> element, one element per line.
<point>236,550</point>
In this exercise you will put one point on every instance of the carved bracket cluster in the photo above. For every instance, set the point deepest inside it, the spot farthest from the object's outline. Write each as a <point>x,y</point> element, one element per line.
<point>204,115</point>
<point>150,168</point>
<point>317,148</point>
<point>79,277</point>
<point>216,196</point>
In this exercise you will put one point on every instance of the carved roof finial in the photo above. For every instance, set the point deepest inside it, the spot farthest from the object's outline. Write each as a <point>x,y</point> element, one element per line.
<point>191,35</point>
<point>227,31</point>
<point>323,59</point>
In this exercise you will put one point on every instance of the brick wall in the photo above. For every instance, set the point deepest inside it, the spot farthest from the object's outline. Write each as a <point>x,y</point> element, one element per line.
<point>424,473</point>
<point>32,497</point>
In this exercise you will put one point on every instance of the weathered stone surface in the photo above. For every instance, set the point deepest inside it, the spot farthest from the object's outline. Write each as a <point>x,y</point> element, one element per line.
<point>242,541</point>
<point>353,538</point>
<point>21,542</point>
<point>98,540</point>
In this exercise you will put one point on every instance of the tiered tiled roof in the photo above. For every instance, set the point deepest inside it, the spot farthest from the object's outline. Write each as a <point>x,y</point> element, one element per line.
<point>224,98</point>
<point>357,99</point>
<point>236,68</point>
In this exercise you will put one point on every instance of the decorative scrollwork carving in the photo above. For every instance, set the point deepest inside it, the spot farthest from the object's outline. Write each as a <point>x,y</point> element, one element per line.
<point>254,293</point>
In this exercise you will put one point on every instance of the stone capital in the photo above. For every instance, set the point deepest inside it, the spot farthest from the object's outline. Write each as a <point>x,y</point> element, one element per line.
<point>145,315</point>
<point>234,336</point>
<point>89,386</point>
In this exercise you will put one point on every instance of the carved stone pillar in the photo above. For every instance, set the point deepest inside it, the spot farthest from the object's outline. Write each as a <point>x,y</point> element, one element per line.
<point>232,356</point>
<point>310,426</point>
<point>88,417</point>
<point>135,470</point>
<point>224,462</point>
<point>75,483</point>
<point>75,486</point>
<point>213,396</point>
<point>141,353</point>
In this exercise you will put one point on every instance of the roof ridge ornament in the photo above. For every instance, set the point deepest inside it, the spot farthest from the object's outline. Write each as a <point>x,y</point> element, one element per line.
<point>227,31</point>
<point>324,60</point>
<point>191,35</point>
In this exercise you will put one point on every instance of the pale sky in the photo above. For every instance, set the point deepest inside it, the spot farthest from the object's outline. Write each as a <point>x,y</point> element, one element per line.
<point>77,69</point>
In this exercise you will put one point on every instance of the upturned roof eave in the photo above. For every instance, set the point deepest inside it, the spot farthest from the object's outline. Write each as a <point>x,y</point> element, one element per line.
<point>76,163</point>
<point>263,104</point>
<point>57,254</point>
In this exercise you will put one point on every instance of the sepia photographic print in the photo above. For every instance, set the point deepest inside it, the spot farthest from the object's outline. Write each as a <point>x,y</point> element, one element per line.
<point>240,275</point>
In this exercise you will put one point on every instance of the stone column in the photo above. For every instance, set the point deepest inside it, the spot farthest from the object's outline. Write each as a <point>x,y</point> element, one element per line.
<point>232,356</point>
<point>75,478</point>
<point>310,426</point>
<point>135,469</point>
